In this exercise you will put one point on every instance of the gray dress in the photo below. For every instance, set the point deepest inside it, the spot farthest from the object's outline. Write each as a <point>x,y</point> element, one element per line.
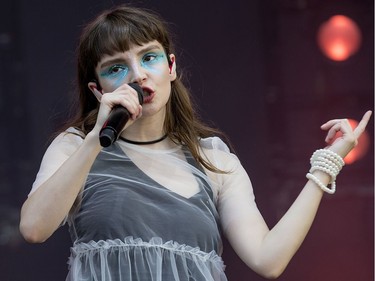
<point>130,226</point>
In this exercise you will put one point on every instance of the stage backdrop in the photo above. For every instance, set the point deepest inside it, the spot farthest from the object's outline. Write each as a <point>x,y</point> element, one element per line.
<point>255,71</point>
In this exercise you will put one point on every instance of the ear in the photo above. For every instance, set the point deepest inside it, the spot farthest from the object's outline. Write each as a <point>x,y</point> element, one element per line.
<point>172,67</point>
<point>94,89</point>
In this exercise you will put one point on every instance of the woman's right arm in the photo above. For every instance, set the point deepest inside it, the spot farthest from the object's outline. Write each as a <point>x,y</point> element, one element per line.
<point>46,207</point>
<point>67,168</point>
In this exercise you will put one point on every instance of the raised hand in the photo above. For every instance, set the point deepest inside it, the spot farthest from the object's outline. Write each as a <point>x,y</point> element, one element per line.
<point>348,139</point>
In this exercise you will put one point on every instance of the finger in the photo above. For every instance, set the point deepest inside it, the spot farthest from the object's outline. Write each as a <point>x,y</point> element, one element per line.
<point>132,91</point>
<point>329,124</point>
<point>128,101</point>
<point>126,88</point>
<point>342,126</point>
<point>362,124</point>
<point>139,115</point>
<point>332,132</point>
<point>132,106</point>
<point>128,93</point>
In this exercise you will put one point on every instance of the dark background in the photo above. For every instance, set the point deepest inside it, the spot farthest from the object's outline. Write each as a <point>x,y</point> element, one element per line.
<point>255,71</point>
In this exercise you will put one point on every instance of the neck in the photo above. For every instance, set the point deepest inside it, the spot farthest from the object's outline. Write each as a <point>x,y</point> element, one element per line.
<point>146,128</point>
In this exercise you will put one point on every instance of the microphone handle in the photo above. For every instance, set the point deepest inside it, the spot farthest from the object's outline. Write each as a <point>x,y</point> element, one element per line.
<point>117,120</point>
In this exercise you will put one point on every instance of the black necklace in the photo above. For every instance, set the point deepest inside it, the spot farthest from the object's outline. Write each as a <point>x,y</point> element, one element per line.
<point>144,142</point>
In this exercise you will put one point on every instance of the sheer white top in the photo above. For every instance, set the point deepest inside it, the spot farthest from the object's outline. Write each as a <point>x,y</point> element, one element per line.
<point>147,214</point>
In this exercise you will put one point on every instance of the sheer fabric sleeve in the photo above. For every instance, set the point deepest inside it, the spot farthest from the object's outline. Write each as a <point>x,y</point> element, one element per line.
<point>235,197</point>
<point>61,148</point>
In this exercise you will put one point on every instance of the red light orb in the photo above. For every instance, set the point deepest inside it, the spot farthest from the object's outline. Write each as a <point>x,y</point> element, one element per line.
<point>339,38</point>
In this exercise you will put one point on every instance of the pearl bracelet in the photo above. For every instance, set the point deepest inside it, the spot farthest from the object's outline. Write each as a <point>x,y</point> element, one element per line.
<point>328,154</point>
<point>329,162</point>
<point>331,190</point>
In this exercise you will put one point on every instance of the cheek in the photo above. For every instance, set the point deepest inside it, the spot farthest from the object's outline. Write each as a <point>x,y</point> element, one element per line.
<point>109,85</point>
<point>159,68</point>
<point>159,71</point>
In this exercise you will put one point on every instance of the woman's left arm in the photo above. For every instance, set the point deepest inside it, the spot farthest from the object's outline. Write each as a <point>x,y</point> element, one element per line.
<point>268,252</point>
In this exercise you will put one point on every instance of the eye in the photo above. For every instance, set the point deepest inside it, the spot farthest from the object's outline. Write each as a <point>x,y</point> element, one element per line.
<point>149,57</point>
<point>115,70</point>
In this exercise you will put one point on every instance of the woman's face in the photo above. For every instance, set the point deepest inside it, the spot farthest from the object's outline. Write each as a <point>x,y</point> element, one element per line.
<point>146,65</point>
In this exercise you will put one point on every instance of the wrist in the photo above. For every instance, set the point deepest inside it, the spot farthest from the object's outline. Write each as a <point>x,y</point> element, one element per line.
<point>325,166</point>
<point>92,140</point>
<point>322,176</point>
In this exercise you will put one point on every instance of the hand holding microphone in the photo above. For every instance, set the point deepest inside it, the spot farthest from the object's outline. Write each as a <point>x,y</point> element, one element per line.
<point>116,120</point>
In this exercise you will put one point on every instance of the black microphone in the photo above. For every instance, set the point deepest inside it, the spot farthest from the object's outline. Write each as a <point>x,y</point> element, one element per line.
<point>117,120</point>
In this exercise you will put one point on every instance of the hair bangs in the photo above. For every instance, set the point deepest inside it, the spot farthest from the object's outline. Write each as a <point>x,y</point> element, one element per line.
<point>119,33</point>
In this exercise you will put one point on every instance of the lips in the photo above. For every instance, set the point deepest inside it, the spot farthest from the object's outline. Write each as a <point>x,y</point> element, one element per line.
<point>148,94</point>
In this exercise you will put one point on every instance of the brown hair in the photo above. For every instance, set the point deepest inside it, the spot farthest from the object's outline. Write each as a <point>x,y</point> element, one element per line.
<point>114,31</point>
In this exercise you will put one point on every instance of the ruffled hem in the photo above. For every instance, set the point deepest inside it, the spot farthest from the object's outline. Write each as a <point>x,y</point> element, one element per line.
<point>135,259</point>
<point>130,243</point>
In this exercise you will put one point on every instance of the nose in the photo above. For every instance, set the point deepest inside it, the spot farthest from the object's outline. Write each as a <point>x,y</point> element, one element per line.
<point>138,74</point>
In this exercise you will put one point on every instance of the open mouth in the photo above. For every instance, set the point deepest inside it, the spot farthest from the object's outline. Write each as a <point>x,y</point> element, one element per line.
<point>148,94</point>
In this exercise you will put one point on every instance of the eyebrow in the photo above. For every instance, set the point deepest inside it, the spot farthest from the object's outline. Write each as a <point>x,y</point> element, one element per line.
<point>121,60</point>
